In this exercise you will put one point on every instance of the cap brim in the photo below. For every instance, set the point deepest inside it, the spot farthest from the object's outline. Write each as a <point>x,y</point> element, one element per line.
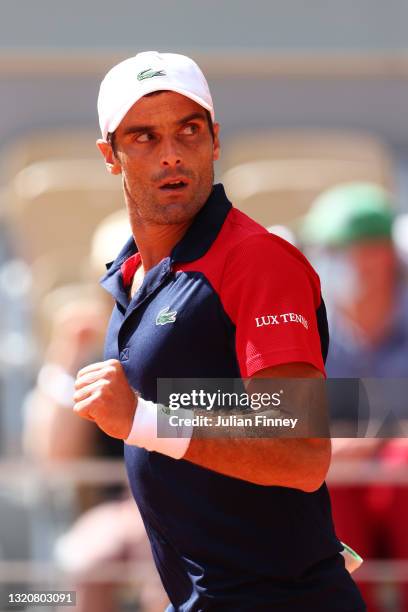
<point>119,116</point>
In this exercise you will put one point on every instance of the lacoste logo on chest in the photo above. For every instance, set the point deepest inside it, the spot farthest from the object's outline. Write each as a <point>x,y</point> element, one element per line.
<point>166,316</point>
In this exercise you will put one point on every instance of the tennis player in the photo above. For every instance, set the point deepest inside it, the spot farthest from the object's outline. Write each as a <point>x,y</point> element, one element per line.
<point>203,291</point>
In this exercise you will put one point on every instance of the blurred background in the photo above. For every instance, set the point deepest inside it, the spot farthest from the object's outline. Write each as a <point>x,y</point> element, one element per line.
<point>312,99</point>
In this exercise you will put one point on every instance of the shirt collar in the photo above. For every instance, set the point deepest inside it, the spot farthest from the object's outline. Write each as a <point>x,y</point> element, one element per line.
<point>204,229</point>
<point>198,238</point>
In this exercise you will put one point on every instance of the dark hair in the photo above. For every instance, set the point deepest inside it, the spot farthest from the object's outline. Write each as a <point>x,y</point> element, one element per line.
<point>110,138</point>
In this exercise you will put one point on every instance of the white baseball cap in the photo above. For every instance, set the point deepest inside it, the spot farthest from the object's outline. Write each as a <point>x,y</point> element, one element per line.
<point>144,73</point>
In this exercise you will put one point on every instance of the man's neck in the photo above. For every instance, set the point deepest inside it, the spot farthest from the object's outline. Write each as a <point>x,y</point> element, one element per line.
<point>155,242</point>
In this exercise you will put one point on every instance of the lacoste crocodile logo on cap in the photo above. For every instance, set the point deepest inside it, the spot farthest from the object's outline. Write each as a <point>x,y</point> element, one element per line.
<point>165,316</point>
<point>149,73</point>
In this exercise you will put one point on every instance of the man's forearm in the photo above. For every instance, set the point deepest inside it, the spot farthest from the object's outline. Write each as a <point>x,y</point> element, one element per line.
<point>258,454</point>
<point>300,463</point>
<point>284,445</point>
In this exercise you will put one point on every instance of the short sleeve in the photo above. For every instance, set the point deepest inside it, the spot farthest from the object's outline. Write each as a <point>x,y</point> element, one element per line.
<point>272,295</point>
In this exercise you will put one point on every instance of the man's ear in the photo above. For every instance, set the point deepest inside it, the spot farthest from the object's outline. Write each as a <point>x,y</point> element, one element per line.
<point>216,144</point>
<point>111,161</point>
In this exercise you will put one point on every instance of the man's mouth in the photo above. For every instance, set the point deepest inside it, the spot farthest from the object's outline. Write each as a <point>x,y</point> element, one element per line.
<point>173,185</point>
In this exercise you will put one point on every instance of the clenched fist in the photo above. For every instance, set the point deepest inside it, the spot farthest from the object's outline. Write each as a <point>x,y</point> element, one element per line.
<point>104,395</point>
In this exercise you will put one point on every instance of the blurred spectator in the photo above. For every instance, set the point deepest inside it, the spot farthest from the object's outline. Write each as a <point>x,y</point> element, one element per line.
<point>75,316</point>
<point>17,354</point>
<point>113,530</point>
<point>349,234</point>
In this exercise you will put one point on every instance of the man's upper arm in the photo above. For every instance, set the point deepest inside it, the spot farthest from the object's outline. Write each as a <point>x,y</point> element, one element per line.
<point>272,295</point>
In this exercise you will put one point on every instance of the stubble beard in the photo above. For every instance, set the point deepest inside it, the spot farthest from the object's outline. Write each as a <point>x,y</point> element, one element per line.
<point>144,209</point>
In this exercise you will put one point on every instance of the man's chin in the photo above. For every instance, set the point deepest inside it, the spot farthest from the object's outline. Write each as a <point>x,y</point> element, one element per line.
<point>166,207</point>
<point>178,197</point>
<point>173,214</point>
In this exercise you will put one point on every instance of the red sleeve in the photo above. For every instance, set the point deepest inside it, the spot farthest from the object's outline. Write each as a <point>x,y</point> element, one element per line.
<point>271,293</point>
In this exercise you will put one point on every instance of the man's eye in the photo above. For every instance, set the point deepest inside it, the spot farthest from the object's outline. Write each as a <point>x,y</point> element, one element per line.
<point>145,137</point>
<point>190,128</point>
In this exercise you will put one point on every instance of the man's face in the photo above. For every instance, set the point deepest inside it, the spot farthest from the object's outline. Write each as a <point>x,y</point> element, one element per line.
<point>165,152</point>
<point>375,264</point>
<point>358,271</point>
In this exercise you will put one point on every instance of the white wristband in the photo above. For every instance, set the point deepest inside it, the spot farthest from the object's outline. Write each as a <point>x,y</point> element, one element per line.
<point>149,418</point>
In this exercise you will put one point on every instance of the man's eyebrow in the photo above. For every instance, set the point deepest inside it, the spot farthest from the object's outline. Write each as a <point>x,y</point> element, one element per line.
<point>133,129</point>
<point>191,116</point>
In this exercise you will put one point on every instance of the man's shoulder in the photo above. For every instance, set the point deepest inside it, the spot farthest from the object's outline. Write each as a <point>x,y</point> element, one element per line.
<point>248,240</point>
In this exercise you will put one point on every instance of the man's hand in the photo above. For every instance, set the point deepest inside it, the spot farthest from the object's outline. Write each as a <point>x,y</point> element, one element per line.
<point>104,395</point>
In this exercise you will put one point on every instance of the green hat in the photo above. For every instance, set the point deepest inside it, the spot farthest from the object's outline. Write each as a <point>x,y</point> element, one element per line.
<point>348,213</point>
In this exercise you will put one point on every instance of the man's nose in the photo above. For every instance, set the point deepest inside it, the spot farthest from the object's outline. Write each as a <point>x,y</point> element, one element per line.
<point>170,155</point>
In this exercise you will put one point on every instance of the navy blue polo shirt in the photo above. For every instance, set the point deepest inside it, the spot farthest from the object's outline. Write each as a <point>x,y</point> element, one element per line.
<point>241,300</point>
